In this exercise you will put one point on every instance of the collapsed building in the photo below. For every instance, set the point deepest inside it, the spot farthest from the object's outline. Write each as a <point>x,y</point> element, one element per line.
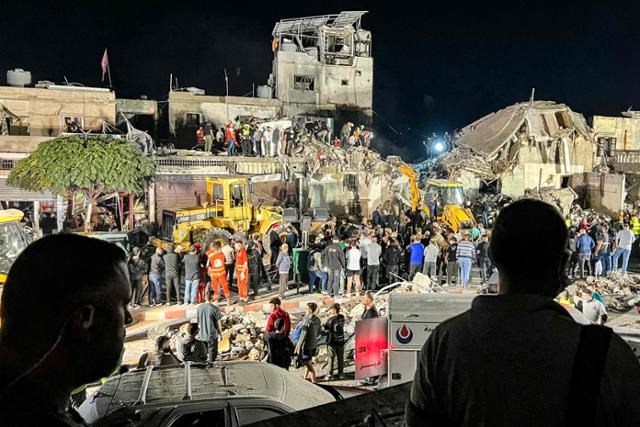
<point>529,145</point>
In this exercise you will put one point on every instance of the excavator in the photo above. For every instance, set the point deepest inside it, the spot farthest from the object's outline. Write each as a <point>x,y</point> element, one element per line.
<point>228,209</point>
<point>13,239</point>
<point>449,196</point>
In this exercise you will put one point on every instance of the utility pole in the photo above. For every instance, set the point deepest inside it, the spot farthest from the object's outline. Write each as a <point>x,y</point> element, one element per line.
<point>226,101</point>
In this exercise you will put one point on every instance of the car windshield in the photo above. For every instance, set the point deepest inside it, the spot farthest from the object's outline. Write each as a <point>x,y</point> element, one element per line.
<point>12,242</point>
<point>451,196</point>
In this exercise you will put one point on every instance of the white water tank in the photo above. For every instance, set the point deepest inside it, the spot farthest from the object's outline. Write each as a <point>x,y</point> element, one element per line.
<point>265,91</point>
<point>18,77</point>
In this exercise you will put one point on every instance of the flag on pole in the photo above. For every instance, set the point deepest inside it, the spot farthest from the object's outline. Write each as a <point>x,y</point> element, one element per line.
<point>104,63</point>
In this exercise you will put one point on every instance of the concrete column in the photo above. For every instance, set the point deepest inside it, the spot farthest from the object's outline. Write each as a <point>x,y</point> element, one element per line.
<point>36,219</point>
<point>151,201</point>
<point>60,213</point>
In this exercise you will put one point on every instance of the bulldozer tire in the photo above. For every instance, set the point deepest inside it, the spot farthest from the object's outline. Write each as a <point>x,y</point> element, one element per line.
<point>213,235</point>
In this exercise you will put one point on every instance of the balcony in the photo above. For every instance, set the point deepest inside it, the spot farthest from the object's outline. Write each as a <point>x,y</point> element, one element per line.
<point>626,161</point>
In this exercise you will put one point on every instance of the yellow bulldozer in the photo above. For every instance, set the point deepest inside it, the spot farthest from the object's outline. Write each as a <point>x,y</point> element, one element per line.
<point>13,239</point>
<point>228,209</point>
<point>448,195</point>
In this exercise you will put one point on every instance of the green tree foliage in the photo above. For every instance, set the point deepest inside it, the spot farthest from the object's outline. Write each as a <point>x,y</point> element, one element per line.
<point>94,165</point>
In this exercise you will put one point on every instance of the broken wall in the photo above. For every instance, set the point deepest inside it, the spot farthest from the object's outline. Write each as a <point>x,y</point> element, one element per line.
<point>547,165</point>
<point>625,130</point>
<point>42,111</point>
<point>341,85</point>
<point>600,191</point>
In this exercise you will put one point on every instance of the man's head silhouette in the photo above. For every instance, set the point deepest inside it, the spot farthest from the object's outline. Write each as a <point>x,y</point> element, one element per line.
<point>527,247</point>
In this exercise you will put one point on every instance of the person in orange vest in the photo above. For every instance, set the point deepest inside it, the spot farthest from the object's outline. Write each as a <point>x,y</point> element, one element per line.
<point>217,272</point>
<point>242,272</point>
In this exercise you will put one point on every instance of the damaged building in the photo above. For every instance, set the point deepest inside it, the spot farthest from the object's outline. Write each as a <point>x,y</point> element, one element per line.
<point>530,145</point>
<point>322,69</point>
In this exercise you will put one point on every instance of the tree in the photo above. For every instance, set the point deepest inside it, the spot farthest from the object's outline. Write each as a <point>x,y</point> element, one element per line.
<point>95,166</point>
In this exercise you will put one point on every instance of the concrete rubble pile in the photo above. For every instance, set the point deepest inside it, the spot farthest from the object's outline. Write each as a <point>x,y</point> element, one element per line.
<point>461,159</point>
<point>243,336</point>
<point>621,291</point>
<point>562,198</point>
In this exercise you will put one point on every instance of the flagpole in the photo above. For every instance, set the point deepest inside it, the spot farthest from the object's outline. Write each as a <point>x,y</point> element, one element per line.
<point>109,74</point>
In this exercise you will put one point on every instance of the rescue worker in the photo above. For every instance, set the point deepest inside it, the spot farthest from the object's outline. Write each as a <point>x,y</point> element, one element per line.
<point>245,140</point>
<point>208,137</point>
<point>242,272</point>
<point>218,273</point>
<point>635,225</point>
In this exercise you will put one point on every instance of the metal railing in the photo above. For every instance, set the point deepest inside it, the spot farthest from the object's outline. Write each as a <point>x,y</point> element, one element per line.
<point>626,156</point>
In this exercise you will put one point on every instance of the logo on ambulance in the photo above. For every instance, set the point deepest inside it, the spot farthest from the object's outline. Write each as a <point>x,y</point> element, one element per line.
<point>404,335</point>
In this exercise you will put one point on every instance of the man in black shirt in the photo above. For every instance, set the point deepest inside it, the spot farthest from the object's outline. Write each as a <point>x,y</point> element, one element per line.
<point>279,346</point>
<point>370,312</point>
<point>334,329</point>
<point>451,261</point>
<point>482,258</point>
<point>391,258</point>
<point>51,346</point>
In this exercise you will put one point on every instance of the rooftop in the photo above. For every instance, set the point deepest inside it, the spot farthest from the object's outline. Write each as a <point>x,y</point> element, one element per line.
<point>313,23</point>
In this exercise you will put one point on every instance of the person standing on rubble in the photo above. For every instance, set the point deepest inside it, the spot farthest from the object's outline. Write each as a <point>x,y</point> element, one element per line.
<point>191,263</point>
<point>172,273</point>
<point>218,272</point>
<point>200,137</point>
<point>256,138</point>
<point>451,261</point>
<point>593,309</point>
<point>334,328</point>
<point>345,132</point>
<point>208,137</point>
<point>585,246</point>
<point>230,136</point>
<point>156,275</point>
<point>277,312</point>
<point>279,346</point>
<point>430,259</point>
<point>416,252</point>
<point>353,268</point>
<point>242,272</point>
<point>624,243</point>
<point>308,343</point>
<point>220,138</point>
<point>209,317</point>
<point>602,248</point>
<point>374,250</point>
<point>283,264</point>
<point>333,258</point>
<point>465,255</point>
<point>520,334</point>
<point>482,258</point>
<point>229,260</point>
<point>391,260</point>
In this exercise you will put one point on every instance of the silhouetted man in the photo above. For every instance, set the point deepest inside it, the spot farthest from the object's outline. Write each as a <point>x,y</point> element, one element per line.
<point>70,334</point>
<point>518,358</point>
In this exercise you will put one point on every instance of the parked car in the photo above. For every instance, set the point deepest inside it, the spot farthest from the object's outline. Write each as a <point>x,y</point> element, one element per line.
<point>227,394</point>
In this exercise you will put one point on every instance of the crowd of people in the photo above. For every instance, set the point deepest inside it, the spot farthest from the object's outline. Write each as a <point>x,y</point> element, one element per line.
<point>197,342</point>
<point>253,139</point>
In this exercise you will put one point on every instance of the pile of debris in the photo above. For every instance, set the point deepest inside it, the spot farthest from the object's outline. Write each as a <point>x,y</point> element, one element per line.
<point>461,159</point>
<point>243,336</point>
<point>621,291</point>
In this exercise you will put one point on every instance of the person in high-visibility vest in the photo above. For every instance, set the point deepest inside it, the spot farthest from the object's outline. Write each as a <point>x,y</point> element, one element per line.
<point>242,272</point>
<point>217,272</point>
<point>635,225</point>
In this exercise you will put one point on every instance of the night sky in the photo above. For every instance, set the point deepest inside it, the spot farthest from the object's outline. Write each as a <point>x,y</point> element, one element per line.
<point>438,66</point>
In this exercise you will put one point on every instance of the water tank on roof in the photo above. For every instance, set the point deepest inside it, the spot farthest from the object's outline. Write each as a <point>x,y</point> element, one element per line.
<point>18,77</point>
<point>288,46</point>
<point>265,91</point>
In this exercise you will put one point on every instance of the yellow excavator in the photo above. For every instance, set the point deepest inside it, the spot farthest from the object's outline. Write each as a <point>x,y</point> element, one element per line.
<point>13,239</point>
<point>448,195</point>
<point>228,209</point>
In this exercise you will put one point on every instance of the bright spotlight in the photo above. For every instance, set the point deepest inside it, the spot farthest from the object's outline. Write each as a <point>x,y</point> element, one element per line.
<point>438,147</point>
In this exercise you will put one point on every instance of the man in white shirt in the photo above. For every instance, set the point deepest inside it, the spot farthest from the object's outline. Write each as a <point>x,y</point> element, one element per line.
<point>624,242</point>
<point>353,269</point>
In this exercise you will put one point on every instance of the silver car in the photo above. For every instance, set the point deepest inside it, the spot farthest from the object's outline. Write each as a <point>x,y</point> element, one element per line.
<point>225,394</point>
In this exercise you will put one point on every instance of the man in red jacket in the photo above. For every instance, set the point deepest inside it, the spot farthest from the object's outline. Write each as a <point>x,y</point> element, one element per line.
<point>278,313</point>
<point>230,137</point>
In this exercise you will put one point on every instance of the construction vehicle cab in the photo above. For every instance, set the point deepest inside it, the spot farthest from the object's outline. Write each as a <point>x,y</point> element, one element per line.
<point>13,240</point>
<point>228,208</point>
<point>450,203</point>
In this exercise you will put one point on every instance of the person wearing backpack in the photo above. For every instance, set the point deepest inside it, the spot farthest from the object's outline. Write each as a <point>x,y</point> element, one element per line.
<point>334,328</point>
